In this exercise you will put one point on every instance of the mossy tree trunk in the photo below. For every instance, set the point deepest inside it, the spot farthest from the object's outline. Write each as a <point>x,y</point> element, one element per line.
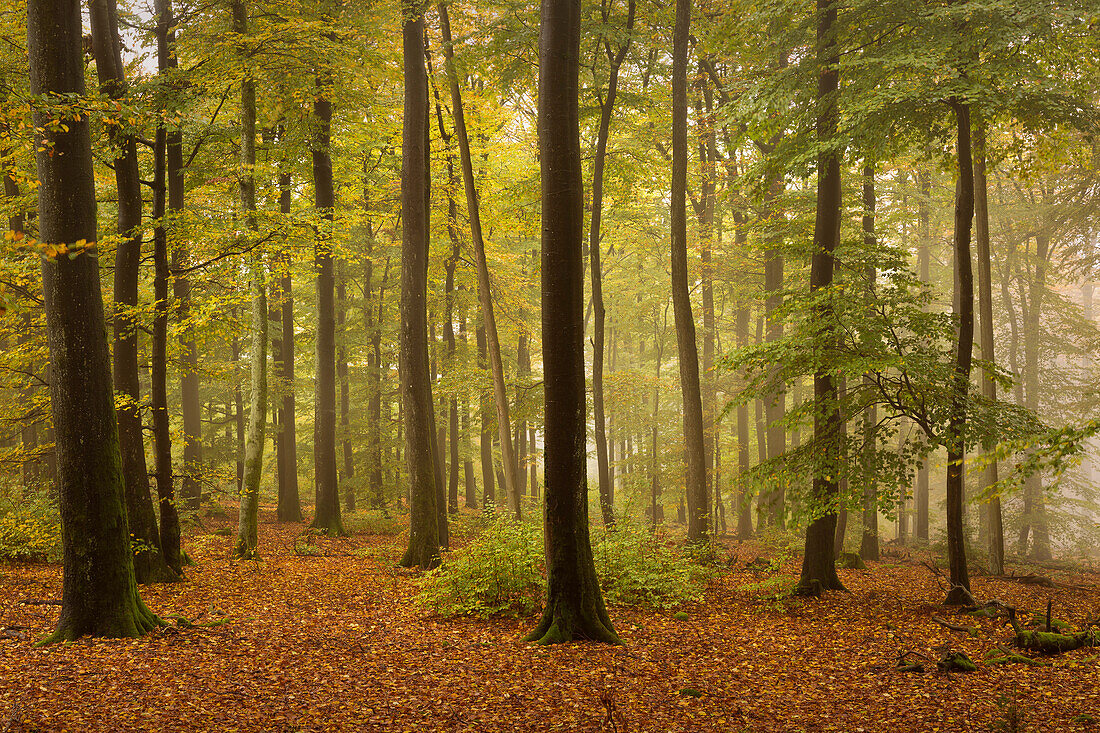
<point>574,606</point>
<point>416,386</point>
<point>99,594</point>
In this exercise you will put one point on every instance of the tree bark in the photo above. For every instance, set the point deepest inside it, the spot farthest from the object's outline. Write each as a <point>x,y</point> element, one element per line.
<point>485,296</point>
<point>574,606</point>
<point>149,563</point>
<point>599,313</point>
<point>163,180</point>
<point>956,448</point>
<point>985,319</point>
<point>1034,508</point>
<point>327,517</point>
<point>485,442</point>
<point>248,520</point>
<point>99,594</point>
<point>924,257</point>
<point>416,385</point>
<point>289,507</point>
<point>694,451</point>
<point>818,567</point>
<point>869,542</point>
<point>345,384</point>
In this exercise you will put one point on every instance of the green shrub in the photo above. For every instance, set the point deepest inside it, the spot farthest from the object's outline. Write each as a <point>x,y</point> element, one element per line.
<point>636,569</point>
<point>374,521</point>
<point>30,530</point>
<point>499,573</point>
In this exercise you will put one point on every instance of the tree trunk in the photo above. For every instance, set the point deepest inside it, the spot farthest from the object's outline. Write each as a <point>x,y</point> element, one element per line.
<point>290,503</point>
<point>607,107</point>
<point>956,448</point>
<point>574,605</point>
<point>924,257</point>
<point>744,514</point>
<point>869,542</point>
<point>485,442</point>
<point>416,385</point>
<point>164,179</point>
<point>708,155</point>
<point>1034,509</point>
<point>99,595</point>
<point>247,526</point>
<point>469,482</point>
<point>985,320</point>
<point>818,567</point>
<point>149,563</point>
<point>345,384</point>
<point>327,517</point>
<point>695,454</point>
<point>484,292</point>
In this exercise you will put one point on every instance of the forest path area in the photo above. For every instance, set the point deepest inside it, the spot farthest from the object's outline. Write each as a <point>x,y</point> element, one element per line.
<point>325,635</point>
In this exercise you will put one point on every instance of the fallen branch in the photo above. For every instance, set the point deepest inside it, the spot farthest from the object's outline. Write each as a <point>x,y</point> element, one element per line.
<point>972,630</point>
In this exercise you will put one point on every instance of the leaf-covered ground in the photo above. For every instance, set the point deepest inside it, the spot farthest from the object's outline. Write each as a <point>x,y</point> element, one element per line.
<point>335,642</point>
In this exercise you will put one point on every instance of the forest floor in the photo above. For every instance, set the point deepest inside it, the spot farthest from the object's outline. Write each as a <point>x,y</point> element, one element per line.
<point>334,641</point>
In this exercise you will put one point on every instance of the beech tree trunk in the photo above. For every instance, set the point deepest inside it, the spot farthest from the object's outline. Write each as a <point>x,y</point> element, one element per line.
<point>416,384</point>
<point>99,594</point>
<point>485,296</point>
<point>290,504</point>
<point>985,320</point>
<point>485,442</point>
<point>956,448</point>
<point>248,520</point>
<point>327,517</point>
<point>149,563</point>
<point>599,313</point>
<point>166,183</point>
<point>345,385</point>
<point>818,567</point>
<point>1034,505</point>
<point>924,256</point>
<point>574,605</point>
<point>695,454</point>
<point>869,541</point>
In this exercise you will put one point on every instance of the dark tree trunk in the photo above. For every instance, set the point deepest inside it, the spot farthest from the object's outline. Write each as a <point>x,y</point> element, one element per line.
<point>416,385</point>
<point>169,517</point>
<point>469,481</point>
<point>345,384</point>
<point>149,563</point>
<point>818,567</point>
<point>695,455</point>
<point>869,541</point>
<point>99,595</point>
<point>607,107</point>
<point>708,155</point>
<point>290,504</point>
<point>574,605</point>
<point>327,517</point>
<point>956,448</point>
<point>985,308</point>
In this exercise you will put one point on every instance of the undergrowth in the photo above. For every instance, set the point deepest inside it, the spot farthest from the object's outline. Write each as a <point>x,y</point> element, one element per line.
<point>501,572</point>
<point>30,529</point>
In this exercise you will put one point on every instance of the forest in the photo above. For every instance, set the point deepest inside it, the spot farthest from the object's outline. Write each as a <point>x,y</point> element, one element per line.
<point>620,365</point>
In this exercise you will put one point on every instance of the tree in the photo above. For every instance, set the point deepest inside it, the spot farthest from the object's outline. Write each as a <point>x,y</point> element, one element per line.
<point>327,515</point>
<point>149,564</point>
<point>247,532</point>
<point>956,446</point>
<point>574,605</point>
<point>698,508</point>
<point>99,594</point>
<point>607,107</point>
<point>289,507</point>
<point>485,295</point>
<point>818,568</point>
<point>416,385</point>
